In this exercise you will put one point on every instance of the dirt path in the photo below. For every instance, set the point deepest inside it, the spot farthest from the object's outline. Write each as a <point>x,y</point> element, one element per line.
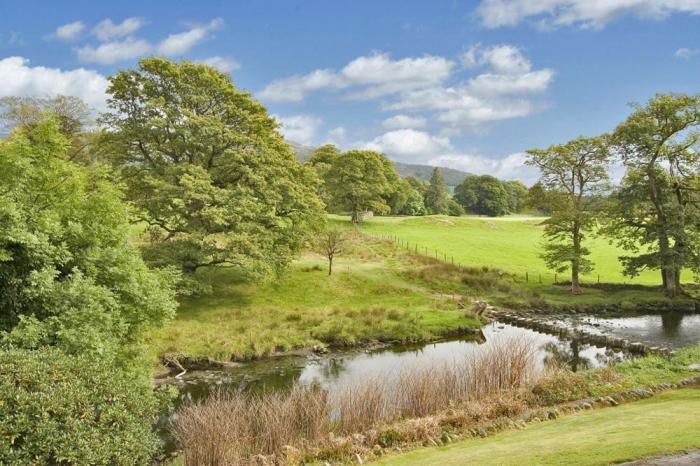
<point>690,458</point>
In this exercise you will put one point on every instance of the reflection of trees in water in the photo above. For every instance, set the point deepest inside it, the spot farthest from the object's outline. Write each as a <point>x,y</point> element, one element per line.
<point>671,322</point>
<point>561,355</point>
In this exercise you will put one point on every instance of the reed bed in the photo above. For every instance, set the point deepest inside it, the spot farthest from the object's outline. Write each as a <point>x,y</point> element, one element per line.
<point>232,428</point>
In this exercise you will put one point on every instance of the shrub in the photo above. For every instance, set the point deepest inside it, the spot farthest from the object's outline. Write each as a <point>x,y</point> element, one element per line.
<point>64,409</point>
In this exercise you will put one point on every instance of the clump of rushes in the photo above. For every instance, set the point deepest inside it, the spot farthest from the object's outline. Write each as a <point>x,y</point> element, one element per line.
<point>232,428</point>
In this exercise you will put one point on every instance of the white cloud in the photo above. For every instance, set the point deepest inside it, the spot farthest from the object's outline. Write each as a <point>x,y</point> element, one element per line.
<point>113,52</point>
<point>223,64</point>
<point>404,121</point>
<point>504,90</point>
<point>582,13</point>
<point>106,30</point>
<point>21,79</point>
<point>337,136</point>
<point>409,144</point>
<point>182,42</point>
<point>70,31</point>
<point>300,128</point>
<point>686,53</point>
<point>375,75</point>
<point>294,88</point>
<point>511,167</point>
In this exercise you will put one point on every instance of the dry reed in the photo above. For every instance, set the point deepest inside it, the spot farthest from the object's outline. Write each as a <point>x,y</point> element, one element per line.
<point>232,428</point>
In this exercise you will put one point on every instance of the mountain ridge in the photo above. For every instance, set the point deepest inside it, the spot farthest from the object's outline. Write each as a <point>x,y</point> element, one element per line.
<point>452,176</point>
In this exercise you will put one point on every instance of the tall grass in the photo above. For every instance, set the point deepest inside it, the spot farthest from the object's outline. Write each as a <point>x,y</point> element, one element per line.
<point>231,428</point>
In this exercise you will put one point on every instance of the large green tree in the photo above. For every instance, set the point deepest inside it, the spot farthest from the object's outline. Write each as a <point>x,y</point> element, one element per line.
<point>655,214</point>
<point>578,171</point>
<point>483,195</point>
<point>68,274</point>
<point>361,181</point>
<point>436,195</point>
<point>76,300</point>
<point>207,169</point>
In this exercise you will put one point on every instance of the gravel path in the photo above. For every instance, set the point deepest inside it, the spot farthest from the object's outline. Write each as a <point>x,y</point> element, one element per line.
<point>691,458</point>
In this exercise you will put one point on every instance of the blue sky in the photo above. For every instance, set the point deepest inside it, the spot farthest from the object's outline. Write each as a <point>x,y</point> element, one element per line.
<point>464,84</point>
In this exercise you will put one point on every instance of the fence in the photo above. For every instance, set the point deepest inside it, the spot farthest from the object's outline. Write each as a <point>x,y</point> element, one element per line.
<point>415,248</point>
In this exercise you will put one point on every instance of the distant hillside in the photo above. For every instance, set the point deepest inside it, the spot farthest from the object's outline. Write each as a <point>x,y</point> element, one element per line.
<point>422,172</point>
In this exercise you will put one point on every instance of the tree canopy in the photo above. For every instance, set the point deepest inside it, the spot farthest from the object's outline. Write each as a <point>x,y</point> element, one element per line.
<point>207,169</point>
<point>483,195</point>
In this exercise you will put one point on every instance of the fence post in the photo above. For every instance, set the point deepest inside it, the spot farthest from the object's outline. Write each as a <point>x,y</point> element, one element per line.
<point>527,278</point>
<point>540,277</point>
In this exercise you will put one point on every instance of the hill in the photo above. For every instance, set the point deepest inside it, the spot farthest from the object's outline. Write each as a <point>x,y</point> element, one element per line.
<point>422,172</point>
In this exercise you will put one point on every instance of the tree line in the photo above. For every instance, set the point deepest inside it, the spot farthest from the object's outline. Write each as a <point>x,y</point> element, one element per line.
<point>653,213</point>
<point>362,181</point>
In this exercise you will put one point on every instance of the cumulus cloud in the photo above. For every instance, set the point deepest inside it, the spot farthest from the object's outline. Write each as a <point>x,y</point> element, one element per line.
<point>404,121</point>
<point>183,42</point>
<point>337,136</point>
<point>373,76</point>
<point>113,52</point>
<point>300,128</point>
<point>409,144</point>
<point>106,30</point>
<point>581,13</point>
<point>69,32</point>
<point>117,50</point>
<point>21,79</point>
<point>223,64</point>
<point>685,53</point>
<point>510,167</point>
<point>504,90</point>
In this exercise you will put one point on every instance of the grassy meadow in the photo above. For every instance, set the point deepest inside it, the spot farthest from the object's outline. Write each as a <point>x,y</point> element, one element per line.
<point>660,425</point>
<point>509,243</point>
<point>374,294</point>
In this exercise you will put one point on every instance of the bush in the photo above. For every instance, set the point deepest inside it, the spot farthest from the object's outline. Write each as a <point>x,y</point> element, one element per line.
<point>63,409</point>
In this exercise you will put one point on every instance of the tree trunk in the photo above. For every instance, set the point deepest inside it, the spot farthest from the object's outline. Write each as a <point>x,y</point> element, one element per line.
<point>575,262</point>
<point>355,217</point>
<point>330,266</point>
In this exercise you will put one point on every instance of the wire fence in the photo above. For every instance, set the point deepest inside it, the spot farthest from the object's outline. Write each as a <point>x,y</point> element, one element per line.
<point>537,277</point>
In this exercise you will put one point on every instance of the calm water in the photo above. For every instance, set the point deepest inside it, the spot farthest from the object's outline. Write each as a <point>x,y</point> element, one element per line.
<point>341,369</point>
<point>671,329</point>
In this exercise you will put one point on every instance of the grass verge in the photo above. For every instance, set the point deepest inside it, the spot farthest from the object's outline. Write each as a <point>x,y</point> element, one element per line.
<point>665,423</point>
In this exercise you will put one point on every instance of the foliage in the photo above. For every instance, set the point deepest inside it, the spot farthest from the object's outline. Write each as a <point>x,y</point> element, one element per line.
<point>361,180</point>
<point>483,195</point>
<point>331,242</point>
<point>454,208</point>
<point>436,195</point>
<point>207,169</point>
<point>73,409</point>
<point>517,195</point>
<point>68,275</point>
<point>72,117</point>
<point>655,214</point>
<point>577,170</point>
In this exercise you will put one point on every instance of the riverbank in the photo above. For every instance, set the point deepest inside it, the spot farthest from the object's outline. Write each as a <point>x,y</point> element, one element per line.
<point>556,396</point>
<point>379,293</point>
<point>662,424</point>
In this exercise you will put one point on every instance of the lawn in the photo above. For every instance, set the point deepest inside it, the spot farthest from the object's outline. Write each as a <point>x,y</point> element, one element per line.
<point>372,295</point>
<point>665,423</point>
<point>509,243</point>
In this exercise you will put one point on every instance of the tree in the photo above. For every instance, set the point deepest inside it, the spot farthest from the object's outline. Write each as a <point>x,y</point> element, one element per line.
<point>72,117</point>
<point>436,194</point>
<point>332,240</point>
<point>360,181</point>
<point>517,195</point>
<point>68,274</point>
<point>577,169</point>
<point>207,170</point>
<point>482,195</point>
<point>76,301</point>
<point>322,161</point>
<point>655,214</point>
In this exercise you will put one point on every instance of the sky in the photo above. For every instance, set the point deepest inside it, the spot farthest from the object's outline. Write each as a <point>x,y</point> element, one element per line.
<point>465,84</point>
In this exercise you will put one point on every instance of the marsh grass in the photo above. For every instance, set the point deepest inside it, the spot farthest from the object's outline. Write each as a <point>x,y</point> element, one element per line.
<point>231,428</point>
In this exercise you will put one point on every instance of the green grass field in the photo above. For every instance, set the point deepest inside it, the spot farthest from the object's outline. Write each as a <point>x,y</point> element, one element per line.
<point>665,423</point>
<point>510,243</point>
<point>372,295</point>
